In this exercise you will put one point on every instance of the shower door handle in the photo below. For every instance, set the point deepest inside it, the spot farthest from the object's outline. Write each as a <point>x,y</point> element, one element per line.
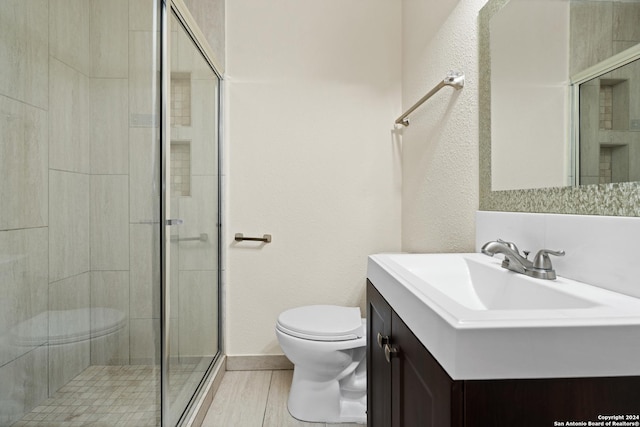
<point>175,221</point>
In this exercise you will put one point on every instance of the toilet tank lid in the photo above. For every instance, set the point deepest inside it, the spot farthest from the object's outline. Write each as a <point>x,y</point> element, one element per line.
<point>322,321</point>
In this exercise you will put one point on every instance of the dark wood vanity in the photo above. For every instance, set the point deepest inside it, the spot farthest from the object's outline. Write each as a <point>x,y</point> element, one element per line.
<point>407,387</point>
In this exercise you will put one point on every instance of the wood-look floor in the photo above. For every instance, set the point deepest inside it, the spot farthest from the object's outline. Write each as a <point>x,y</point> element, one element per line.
<point>255,399</point>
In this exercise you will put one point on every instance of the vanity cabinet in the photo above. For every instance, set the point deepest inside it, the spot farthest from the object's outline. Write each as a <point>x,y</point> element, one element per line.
<point>407,387</point>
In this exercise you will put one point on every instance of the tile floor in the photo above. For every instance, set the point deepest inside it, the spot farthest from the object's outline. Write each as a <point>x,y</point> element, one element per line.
<point>255,399</point>
<point>116,396</point>
<point>112,396</point>
<point>104,396</point>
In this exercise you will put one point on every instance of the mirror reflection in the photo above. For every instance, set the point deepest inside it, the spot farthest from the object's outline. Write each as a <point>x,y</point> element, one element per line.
<point>609,133</point>
<point>536,49</point>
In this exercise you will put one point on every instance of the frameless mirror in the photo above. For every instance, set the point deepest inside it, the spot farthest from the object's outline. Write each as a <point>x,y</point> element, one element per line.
<point>536,50</point>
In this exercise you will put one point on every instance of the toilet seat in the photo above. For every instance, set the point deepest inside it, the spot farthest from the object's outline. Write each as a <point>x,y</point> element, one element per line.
<point>57,327</point>
<point>322,323</point>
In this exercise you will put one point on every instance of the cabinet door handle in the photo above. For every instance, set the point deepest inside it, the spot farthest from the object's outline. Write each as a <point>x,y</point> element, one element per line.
<point>382,340</point>
<point>390,352</point>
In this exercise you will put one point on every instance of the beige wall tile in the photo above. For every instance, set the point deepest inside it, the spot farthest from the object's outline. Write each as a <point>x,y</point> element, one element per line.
<point>204,113</point>
<point>633,73</point>
<point>145,341</point>
<point>24,385</point>
<point>68,224</point>
<point>68,118</point>
<point>145,271</point>
<point>23,162</point>
<point>110,289</point>
<point>143,82</point>
<point>66,360</point>
<point>24,50</point>
<point>619,46</point>
<point>109,38</point>
<point>23,291</point>
<point>69,294</point>
<point>174,336</point>
<point>69,33</point>
<point>198,319</point>
<point>142,15</point>
<point>144,182</point>
<point>626,17</point>
<point>591,24</point>
<point>109,222</point>
<point>109,133</point>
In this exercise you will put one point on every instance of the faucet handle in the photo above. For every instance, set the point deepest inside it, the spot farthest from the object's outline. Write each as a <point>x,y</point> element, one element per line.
<point>542,261</point>
<point>511,245</point>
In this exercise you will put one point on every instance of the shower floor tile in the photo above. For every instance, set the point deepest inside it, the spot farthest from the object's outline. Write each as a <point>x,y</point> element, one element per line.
<point>105,396</point>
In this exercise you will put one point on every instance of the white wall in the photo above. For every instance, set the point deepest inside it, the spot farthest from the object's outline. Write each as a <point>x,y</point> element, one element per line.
<point>440,147</point>
<point>312,91</point>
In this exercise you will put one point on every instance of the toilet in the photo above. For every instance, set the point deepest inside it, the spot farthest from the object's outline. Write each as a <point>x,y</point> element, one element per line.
<point>327,346</point>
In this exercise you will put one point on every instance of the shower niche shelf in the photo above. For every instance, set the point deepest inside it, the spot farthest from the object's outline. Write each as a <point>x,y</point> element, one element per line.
<point>181,168</point>
<point>180,99</point>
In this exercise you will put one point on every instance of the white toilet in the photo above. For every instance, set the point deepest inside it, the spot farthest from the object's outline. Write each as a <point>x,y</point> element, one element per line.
<point>327,346</point>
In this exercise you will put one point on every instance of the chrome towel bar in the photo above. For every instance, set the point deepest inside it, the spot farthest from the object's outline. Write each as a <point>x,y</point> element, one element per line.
<point>266,238</point>
<point>454,79</point>
<point>203,237</point>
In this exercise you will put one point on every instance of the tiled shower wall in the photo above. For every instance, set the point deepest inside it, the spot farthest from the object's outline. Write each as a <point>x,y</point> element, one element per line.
<point>78,155</point>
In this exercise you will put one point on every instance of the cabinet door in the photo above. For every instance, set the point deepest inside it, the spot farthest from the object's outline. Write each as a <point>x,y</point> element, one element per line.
<point>423,395</point>
<point>378,370</point>
<point>549,401</point>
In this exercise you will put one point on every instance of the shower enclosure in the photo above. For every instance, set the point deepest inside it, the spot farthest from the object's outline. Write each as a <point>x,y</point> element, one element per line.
<point>109,212</point>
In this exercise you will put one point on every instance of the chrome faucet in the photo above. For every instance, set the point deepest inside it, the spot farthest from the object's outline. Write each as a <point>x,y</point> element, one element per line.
<point>540,268</point>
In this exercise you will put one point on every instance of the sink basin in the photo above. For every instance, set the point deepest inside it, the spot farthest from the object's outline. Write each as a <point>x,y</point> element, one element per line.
<point>481,321</point>
<point>486,285</point>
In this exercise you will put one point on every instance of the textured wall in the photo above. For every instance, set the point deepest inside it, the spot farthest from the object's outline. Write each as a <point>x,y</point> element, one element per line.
<point>312,92</point>
<point>439,148</point>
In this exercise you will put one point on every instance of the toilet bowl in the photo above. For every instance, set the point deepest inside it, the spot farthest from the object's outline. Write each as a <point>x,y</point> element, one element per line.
<point>327,346</point>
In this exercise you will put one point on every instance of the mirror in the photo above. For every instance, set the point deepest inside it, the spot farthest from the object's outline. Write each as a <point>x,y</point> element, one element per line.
<point>621,199</point>
<point>537,47</point>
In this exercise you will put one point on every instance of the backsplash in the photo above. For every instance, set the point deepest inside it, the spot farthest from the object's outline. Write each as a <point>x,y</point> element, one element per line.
<point>600,250</point>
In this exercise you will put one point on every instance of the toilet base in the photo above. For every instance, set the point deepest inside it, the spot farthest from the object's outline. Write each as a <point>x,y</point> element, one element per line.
<point>326,402</point>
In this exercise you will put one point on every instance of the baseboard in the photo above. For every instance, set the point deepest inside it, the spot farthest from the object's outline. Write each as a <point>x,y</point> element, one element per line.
<point>211,387</point>
<point>258,362</point>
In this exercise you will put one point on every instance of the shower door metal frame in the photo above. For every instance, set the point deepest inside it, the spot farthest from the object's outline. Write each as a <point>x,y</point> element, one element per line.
<point>167,7</point>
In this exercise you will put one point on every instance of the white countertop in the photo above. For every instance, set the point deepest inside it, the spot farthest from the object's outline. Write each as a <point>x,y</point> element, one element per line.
<point>481,321</point>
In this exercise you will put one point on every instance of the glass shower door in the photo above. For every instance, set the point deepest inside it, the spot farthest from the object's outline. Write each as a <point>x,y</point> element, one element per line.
<point>79,213</point>
<point>192,189</point>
